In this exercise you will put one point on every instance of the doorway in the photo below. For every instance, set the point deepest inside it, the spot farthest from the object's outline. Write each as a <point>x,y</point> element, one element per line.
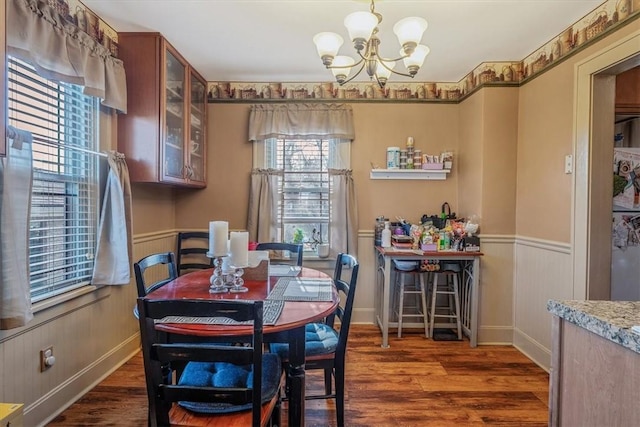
<point>593,151</point>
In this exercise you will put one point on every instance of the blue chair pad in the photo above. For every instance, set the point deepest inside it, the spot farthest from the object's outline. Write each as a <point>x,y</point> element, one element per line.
<point>319,339</point>
<point>220,374</point>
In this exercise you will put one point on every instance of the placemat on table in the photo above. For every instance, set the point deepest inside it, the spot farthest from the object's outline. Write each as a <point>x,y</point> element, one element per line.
<point>284,270</point>
<point>271,312</point>
<point>302,289</point>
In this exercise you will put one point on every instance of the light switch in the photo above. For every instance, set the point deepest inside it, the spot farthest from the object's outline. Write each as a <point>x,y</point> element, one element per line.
<point>568,163</point>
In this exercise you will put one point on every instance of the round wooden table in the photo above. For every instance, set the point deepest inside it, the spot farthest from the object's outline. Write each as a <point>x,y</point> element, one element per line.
<point>289,327</point>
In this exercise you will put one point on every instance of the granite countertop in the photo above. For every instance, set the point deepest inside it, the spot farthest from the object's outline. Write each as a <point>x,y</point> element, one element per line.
<point>609,319</point>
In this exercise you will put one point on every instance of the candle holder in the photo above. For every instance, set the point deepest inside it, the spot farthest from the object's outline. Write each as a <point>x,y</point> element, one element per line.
<point>217,280</point>
<point>238,281</point>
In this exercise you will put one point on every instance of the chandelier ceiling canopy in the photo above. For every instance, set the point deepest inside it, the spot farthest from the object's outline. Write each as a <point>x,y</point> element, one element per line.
<point>363,30</point>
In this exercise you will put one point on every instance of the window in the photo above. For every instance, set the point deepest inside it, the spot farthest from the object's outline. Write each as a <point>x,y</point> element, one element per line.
<point>65,196</point>
<point>304,210</point>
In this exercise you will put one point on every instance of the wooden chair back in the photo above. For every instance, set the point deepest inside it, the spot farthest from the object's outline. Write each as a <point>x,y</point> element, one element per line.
<point>192,251</point>
<point>161,359</point>
<point>153,261</point>
<point>347,290</point>
<point>294,249</point>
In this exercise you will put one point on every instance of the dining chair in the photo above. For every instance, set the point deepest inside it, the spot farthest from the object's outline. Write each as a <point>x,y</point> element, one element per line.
<point>326,345</point>
<point>192,251</point>
<point>154,262</point>
<point>293,248</point>
<point>197,383</point>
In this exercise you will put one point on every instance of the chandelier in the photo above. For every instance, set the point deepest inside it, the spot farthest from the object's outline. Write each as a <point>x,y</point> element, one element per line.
<point>363,30</point>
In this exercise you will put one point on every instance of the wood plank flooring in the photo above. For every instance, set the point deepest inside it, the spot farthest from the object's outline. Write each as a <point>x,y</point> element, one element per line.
<point>415,382</point>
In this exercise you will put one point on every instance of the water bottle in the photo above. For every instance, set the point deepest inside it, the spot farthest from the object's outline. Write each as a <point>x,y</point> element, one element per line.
<point>386,236</point>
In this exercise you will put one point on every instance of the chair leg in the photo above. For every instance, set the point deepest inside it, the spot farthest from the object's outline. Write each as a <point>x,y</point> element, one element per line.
<point>339,372</point>
<point>423,295</point>
<point>434,295</point>
<point>400,304</point>
<point>456,297</point>
<point>328,372</point>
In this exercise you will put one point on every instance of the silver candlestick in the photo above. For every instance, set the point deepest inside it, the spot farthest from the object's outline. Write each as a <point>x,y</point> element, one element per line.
<point>238,281</point>
<point>217,278</point>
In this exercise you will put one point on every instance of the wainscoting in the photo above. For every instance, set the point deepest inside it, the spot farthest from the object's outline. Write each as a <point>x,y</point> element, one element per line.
<point>92,334</point>
<point>543,271</point>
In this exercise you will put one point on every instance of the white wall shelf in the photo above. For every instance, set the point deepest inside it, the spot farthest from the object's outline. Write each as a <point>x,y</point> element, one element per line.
<point>433,174</point>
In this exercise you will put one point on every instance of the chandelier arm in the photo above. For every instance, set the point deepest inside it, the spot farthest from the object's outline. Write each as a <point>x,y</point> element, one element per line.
<point>393,71</point>
<point>345,66</point>
<point>355,75</point>
<point>393,60</point>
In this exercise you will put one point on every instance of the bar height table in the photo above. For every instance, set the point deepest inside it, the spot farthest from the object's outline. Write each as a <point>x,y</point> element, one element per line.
<point>469,286</point>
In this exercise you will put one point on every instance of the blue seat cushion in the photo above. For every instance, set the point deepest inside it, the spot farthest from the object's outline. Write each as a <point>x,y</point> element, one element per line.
<point>222,374</point>
<point>319,339</point>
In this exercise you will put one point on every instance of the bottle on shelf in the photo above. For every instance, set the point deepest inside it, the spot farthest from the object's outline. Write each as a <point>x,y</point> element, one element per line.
<point>386,236</point>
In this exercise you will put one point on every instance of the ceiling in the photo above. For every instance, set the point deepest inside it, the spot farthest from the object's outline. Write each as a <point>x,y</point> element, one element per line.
<point>267,40</point>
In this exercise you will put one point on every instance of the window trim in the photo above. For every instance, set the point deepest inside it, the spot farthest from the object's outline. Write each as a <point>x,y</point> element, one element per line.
<point>339,159</point>
<point>59,293</point>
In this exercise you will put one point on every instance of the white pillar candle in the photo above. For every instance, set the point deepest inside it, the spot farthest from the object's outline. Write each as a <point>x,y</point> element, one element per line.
<point>218,232</point>
<point>239,248</point>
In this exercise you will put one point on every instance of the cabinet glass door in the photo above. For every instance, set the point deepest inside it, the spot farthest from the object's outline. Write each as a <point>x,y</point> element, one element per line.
<point>197,120</point>
<point>174,136</point>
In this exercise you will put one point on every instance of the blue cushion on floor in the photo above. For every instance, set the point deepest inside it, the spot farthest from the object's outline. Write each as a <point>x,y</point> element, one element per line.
<point>319,339</point>
<point>219,374</point>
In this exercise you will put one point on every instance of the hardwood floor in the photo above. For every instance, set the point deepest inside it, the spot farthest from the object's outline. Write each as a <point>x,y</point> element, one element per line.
<point>415,382</point>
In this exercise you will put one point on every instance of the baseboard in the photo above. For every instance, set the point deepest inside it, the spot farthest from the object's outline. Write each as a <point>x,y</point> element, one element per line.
<point>540,355</point>
<point>362,316</point>
<point>49,406</point>
<point>495,335</point>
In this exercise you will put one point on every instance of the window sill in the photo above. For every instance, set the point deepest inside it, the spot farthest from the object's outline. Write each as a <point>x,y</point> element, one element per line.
<point>63,298</point>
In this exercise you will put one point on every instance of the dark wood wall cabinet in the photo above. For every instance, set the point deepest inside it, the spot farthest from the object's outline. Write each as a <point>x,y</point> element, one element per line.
<point>628,92</point>
<point>163,134</point>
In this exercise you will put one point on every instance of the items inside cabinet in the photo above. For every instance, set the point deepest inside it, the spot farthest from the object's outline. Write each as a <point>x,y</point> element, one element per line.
<point>163,136</point>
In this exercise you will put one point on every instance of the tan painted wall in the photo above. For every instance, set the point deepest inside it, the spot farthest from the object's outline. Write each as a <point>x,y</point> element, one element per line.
<point>545,136</point>
<point>469,166</point>
<point>377,126</point>
<point>487,158</point>
<point>499,147</point>
<point>153,208</point>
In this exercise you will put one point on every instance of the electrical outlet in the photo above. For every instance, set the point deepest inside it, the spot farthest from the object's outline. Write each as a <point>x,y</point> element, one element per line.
<point>47,359</point>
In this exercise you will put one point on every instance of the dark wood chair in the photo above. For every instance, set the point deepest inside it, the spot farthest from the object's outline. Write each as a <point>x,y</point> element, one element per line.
<point>326,345</point>
<point>153,261</point>
<point>293,248</point>
<point>206,384</point>
<point>192,249</point>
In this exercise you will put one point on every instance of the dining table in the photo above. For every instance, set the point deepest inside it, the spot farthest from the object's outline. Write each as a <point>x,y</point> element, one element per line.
<point>293,297</point>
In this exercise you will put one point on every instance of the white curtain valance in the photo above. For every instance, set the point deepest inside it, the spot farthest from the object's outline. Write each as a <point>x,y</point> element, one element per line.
<point>60,51</point>
<point>317,121</point>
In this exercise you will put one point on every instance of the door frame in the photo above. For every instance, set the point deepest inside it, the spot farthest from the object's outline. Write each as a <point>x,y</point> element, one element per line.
<point>594,83</point>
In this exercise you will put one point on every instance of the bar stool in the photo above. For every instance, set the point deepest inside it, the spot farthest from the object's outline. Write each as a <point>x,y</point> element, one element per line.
<point>451,310</point>
<point>417,286</point>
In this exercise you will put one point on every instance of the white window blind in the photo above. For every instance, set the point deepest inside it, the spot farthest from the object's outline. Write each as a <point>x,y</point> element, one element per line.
<point>304,188</point>
<point>65,197</point>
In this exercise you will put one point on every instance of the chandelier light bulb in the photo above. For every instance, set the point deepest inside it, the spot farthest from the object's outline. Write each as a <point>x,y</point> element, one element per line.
<point>416,59</point>
<point>342,67</point>
<point>360,26</point>
<point>327,45</point>
<point>385,73</point>
<point>409,32</point>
